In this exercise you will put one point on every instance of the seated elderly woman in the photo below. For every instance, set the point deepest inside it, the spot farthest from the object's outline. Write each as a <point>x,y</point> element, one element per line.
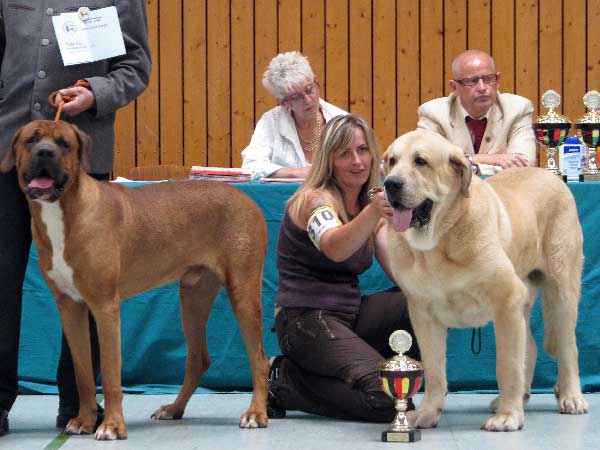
<point>286,137</point>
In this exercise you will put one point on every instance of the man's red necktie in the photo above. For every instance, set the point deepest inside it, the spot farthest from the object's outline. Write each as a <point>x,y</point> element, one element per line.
<point>477,127</point>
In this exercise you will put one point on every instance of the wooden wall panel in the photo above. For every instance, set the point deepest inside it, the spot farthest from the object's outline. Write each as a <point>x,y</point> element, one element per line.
<point>195,103</point>
<point>289,26</point>
<point>408,72</point>
<point>455,35</point>
<point>242,92</point>
<point>479,36</point>
<point>313,36</point>
<point>432,49</point>
<point>361,82</point>
<point>377,58</point>
<point>170,72</point>
<point>265,48</point>
<point>503,43</point>
<point>384,72</point>
<point>335,86</point>
<point>147,108</point>
<point>574,61</point>
<point>219,87</point>
<point>526,36</point>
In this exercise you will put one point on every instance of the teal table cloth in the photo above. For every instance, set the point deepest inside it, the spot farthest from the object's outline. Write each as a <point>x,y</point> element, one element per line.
<point>153,346</point>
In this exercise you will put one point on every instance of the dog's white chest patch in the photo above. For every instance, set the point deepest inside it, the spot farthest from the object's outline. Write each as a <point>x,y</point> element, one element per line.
<point>61,273</point>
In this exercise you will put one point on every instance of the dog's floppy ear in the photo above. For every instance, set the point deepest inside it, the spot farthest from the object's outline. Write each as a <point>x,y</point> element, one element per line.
<point>8,162</point>
<point>85,148</point>
<point>461,165</point>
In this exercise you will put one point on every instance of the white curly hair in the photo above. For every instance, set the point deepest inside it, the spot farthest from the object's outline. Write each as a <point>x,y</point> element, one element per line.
<point>285,73</point>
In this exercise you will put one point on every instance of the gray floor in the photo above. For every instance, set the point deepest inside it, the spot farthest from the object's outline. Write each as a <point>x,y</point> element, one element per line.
<point>211,423</point>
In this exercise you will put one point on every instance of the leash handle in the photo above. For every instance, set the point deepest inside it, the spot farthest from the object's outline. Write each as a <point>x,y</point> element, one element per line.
<point>476,350</point>
<point>66,98</point>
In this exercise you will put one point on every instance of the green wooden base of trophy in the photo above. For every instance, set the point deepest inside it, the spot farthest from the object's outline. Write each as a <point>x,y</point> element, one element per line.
<point>589,177</point>
<point>401,436</point>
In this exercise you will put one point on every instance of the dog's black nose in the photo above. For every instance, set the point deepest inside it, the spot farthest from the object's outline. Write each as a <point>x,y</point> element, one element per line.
<point>45,152</point>
<point>393,184</point>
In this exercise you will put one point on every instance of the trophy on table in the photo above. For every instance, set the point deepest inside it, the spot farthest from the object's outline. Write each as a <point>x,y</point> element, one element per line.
<point>551,129</point>
<point>588,132</point>
<point>400,378</point>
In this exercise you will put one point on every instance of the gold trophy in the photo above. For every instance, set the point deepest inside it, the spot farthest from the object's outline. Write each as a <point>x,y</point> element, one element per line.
<point>551,129</point>
<point>588,132</point>
<point>400,378</point>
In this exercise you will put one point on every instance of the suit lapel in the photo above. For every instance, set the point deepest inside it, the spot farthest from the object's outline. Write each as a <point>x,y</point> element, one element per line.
<point>461,134</point>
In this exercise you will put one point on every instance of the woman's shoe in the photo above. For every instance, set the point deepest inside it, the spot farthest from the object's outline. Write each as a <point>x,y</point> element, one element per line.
<point>274,411</point>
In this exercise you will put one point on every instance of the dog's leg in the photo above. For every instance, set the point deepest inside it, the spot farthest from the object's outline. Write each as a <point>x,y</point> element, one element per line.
<point>244,294</point>
<point>74,317</point>
<point>560,300</point>
<point>198,290</point>
<point>108,321</point>
<point>509,326</point>
<point>530,350</point>
<point>431,336</point>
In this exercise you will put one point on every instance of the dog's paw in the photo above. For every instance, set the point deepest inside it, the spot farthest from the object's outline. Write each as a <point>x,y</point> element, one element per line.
<point>424,418</point>
<point>254,419</point>
<point>167,412</point>
<point>77,426</point>
<point>109,430</point>
<point>510,421</point>
<point>572,404</point>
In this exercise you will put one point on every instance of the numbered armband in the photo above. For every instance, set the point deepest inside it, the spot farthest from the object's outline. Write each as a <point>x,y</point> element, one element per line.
<point>322,219</point>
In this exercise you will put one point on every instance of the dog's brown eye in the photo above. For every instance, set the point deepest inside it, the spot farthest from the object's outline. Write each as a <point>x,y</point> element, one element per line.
<point>420,161</point>
<point>32,139</point>
<point>392,161</point>
<point>62,142</point>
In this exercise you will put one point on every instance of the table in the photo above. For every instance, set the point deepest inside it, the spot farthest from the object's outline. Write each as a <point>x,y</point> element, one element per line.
<point>154,347</point>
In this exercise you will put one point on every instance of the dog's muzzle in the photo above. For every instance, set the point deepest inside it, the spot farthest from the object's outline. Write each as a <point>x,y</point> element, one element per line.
<point>405,215</point>
<point>45,179</point>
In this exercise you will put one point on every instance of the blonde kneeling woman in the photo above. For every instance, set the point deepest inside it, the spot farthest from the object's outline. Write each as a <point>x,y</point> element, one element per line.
<point>332,338</point>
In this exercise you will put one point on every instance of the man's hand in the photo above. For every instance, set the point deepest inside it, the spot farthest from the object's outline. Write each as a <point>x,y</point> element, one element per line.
<point>82,100</point>
<point>504,160</point>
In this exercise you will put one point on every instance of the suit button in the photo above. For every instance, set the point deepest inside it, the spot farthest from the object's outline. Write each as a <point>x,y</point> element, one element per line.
<point>41,74</point>
<point>45,42</point>
<point>50,11</point>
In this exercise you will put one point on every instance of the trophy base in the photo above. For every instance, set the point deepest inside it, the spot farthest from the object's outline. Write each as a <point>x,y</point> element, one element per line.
<point>589,177</point>
<point>401,436</point>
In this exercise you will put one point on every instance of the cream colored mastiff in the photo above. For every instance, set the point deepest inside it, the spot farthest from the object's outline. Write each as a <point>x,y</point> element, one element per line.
<point>467,251</point>
<point>99,243</point>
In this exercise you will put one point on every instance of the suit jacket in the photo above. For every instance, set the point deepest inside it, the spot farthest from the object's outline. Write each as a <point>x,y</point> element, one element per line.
<point>32,68</point>
<point>509,128</point>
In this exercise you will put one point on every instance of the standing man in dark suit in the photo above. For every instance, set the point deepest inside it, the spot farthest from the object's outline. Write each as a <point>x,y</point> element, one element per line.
<point>31,68</point>
<point>493,129</point>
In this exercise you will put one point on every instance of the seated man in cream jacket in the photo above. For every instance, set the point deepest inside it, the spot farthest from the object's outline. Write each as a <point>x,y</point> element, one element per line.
<point>494,130</point>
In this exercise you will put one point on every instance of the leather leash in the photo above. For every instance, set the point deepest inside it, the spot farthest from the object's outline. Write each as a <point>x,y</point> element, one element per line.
<point>66,98</point>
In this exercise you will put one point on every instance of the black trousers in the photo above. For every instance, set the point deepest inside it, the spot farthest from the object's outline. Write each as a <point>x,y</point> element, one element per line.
<point>331,359</point>
<point>15,242</point>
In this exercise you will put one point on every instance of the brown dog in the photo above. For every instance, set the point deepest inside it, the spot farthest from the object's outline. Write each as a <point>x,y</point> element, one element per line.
<point>467,251</point>
<point>99,243</point>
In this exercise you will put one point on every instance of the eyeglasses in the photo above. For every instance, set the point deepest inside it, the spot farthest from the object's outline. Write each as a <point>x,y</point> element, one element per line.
<point>308,91</point>
<point>473,81</point>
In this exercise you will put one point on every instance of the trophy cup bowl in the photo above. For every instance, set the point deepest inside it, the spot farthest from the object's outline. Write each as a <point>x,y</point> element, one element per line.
<point>400,378</point>
<point>588,132</point>
<point>551,129</point>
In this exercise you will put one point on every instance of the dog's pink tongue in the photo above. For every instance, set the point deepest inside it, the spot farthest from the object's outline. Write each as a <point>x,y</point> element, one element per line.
<point>41,183</point>
<point>401,219</point>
